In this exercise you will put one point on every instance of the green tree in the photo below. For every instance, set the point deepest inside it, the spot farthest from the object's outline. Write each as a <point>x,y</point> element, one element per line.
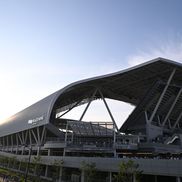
<point>89,171</point>
<point>36,165</point>
<point>12,161</point>
<point>56,169</point>
<point>128,171</point>
<point>4,161</point>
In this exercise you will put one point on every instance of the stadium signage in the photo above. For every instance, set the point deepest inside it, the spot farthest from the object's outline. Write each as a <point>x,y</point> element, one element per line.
<point>36,120</point>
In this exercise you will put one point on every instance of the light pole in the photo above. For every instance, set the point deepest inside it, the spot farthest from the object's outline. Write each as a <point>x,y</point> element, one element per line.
<point>27,168</point>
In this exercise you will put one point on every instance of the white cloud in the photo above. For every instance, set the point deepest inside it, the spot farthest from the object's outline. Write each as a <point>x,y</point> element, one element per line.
<point>171,49</point>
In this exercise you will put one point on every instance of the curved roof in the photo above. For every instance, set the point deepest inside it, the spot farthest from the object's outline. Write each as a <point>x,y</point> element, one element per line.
<point>129,85</point>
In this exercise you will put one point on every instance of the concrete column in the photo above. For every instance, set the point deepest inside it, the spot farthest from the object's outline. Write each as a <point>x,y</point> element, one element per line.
<point>16,149</point>
<point>134,178</point>
<point>82,176</point>
<point>38,150</point>
<point>49,152</point>
<point>22,151</point>
<point>178,179</point>
<point>60,173</point>
<point>155,178</point>
<point>115,154</point>
<point>46,171</point>
<point>19,166</point>
<point>110,176</point>
<point>64,152</point>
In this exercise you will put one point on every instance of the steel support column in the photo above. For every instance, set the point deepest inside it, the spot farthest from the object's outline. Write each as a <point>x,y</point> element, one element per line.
<point>162,95</point>
<point>26,136</point>
<point>172,107</point>
<point>65,139</point>
<point>17,143</point>
<point>177,121</point>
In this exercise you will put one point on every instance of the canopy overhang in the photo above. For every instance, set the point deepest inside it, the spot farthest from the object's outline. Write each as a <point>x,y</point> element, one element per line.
<point>129,86</point>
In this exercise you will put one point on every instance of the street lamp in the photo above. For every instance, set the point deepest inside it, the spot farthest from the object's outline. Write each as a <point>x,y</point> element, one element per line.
<point>27,168</point>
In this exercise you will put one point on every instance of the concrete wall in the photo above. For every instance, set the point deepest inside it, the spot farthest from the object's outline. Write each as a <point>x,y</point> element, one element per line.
<point>164,167</point>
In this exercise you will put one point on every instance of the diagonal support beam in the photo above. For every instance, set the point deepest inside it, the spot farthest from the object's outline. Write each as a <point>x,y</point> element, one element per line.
<point>17,142</point>
<point>169,123</point>
<point>85,128</point>
<point>177,121</point>
<point>88,105</point>
<point>92,128</point>
<point>172,107</point>
<point>30,137</point>
<point>43,134</point>
<point>146,117</point>
<point>26,136</point>
<point>23,137</point>
<point>107,107</point>
<point>38,135</point>
<point>20,138</point>
<point>98,128</point>
<point>35,137</point>
<point>162,95</point>
<point>159,120</point>
<point>70,109</point>
<point>77,126</point>
<point>12,141</point>
<point>7,140</point>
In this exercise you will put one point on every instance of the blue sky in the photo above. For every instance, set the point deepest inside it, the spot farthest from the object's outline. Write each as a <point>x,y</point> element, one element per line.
<point>47,44</point>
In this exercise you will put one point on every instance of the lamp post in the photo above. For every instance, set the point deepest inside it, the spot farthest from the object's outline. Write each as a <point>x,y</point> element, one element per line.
<point>27,168</point>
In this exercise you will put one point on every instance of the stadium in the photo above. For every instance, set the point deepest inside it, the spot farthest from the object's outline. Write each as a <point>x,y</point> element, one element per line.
<point>151,136</point>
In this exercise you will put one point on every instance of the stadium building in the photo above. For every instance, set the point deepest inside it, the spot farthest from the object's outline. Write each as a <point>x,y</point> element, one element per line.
<point>151,136</point>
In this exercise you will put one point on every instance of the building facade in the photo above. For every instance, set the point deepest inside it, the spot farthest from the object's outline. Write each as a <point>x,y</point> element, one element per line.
<point>151,136</point>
